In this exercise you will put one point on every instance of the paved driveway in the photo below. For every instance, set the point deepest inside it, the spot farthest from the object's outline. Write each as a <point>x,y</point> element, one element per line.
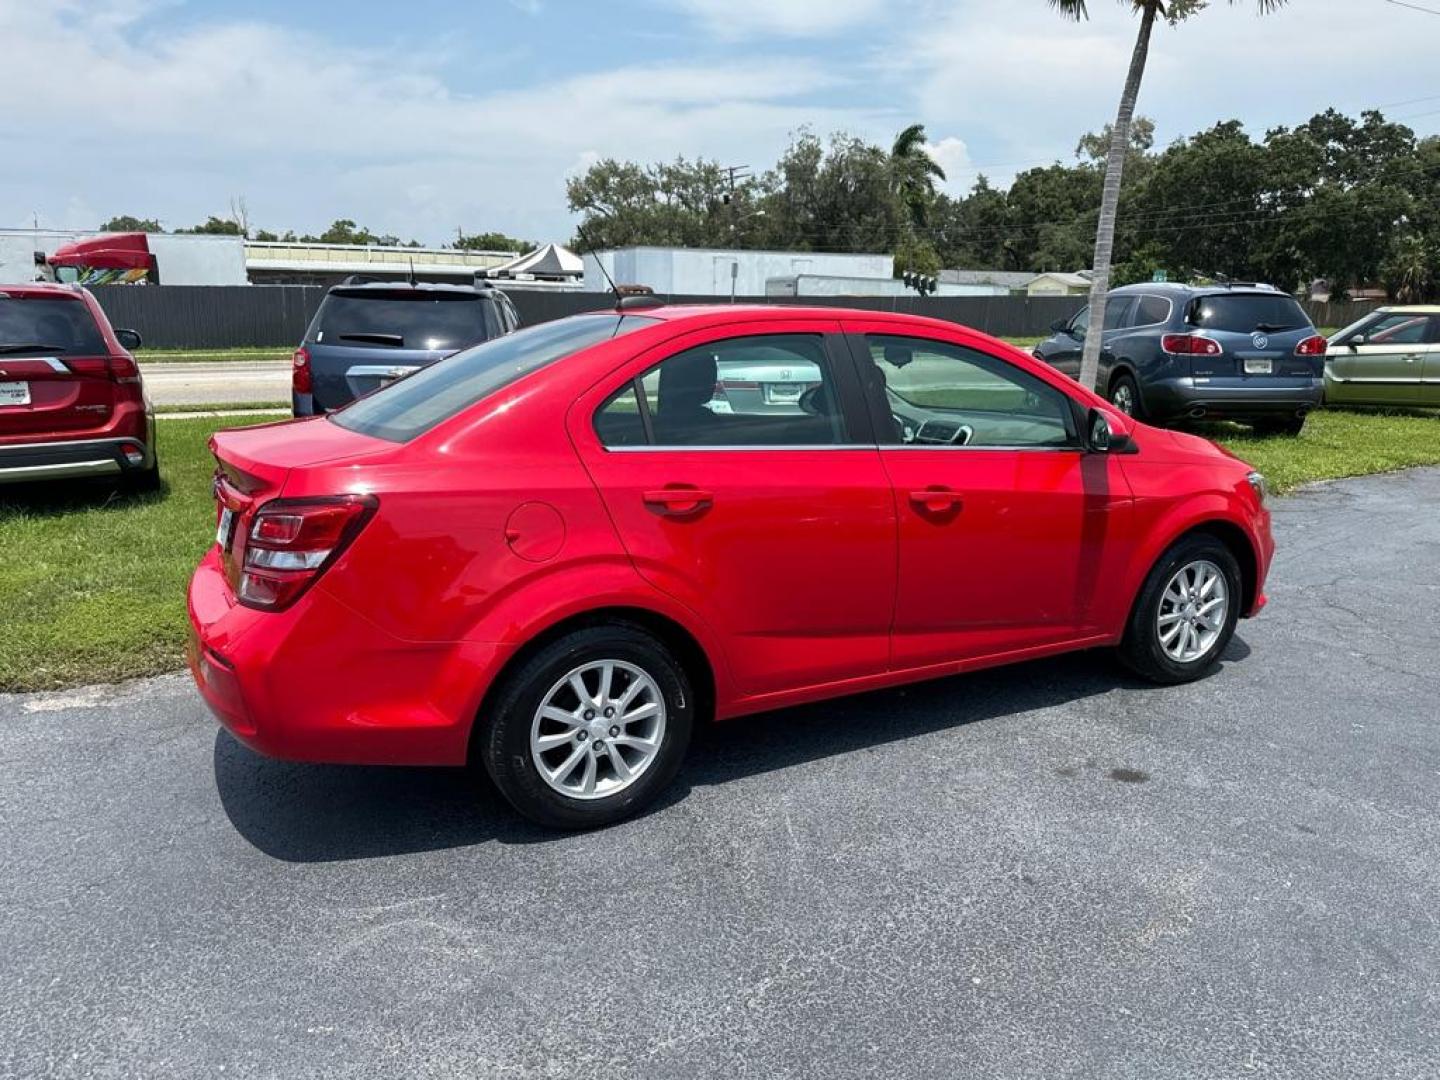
<point>217,382</point>
<point>1044,872</point>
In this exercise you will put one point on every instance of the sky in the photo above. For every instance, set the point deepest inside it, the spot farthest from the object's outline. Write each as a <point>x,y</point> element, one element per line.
<point>421,118</point>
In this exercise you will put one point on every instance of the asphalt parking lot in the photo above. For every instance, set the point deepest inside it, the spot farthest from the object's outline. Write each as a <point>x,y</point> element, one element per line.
<point>1049,871</point>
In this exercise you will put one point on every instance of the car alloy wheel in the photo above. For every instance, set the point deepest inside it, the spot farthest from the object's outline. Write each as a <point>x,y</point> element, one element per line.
<point>1193,611</point>
<point>598,729</point>
<point>1123,397</point>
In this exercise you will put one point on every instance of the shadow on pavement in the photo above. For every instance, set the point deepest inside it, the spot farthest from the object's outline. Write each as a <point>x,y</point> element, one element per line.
<point>322,813</point>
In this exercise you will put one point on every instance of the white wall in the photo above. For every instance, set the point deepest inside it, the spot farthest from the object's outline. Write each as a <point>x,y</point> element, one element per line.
<point>707,272</point>
<point>821,285</point>
<point>183,260</point>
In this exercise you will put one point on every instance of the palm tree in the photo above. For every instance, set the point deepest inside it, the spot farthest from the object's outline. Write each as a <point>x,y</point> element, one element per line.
<point>1173,11</point>
<point>913,172</point>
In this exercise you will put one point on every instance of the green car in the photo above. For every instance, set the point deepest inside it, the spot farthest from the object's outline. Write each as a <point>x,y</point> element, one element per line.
<point>1390,357</point>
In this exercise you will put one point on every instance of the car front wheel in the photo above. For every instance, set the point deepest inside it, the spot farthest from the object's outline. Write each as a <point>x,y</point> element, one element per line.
<point>1125,395</point>
<point>590,729</point>
<point>1186,613</point>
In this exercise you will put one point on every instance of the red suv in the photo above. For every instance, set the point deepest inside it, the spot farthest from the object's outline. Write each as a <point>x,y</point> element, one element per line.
<point>553,553</point>
<point>71,401</point>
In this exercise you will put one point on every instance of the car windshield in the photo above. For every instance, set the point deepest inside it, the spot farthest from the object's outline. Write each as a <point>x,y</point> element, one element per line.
<point>1245,313</point>
<point>413,405</point>
<point>400,319</point>
<point>47,326</point>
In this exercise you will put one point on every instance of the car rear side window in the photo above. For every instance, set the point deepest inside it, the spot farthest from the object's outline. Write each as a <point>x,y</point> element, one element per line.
<point>1246,313</point>
<point>771,390</point>
<point>1152,311</point>
<point>45,326</point>
<point>413,405</point>
<point>403,319</point>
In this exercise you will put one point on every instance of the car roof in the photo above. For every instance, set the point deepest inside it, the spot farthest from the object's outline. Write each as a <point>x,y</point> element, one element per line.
<point>1410,309</point>
<point>418,286</point>
<point>720,313</point>
<point>44,288</point>
<point>1173,288</point>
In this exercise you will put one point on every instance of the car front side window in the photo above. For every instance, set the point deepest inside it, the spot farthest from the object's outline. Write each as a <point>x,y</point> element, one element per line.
<point>942,394</point>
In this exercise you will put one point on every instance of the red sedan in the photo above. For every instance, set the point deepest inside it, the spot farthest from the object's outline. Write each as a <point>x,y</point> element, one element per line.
<point>555,552</point>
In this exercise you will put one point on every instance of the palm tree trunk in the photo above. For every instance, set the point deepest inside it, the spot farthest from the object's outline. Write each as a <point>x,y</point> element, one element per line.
<point>1110,199</point>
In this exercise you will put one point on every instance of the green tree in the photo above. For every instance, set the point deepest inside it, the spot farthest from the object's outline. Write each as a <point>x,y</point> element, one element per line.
<point>216,226</point>
<point>913,172</point>
<point>127,223</point>
<point>1174,12</point>
<point>493,241</point>
<point>345,231</point>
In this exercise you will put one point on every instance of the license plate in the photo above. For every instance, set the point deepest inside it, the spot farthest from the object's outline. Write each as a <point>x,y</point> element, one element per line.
<point>226,528</point>
<point>1257,367</point>
<point>14,393</point>
<point>783,393</point>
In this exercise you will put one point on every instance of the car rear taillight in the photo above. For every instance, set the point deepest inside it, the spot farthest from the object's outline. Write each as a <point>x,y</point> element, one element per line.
<point>292,542</point>
<point>1190,345</point>
<point>120,369</point>
<point>300,371</point>
<point>1312,346</point>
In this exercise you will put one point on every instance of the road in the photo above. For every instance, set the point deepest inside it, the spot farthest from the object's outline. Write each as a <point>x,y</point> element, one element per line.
<point>1050,871</point>
<point>217,382</point>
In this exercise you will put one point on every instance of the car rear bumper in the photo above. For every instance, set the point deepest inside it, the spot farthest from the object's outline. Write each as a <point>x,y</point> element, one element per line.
<point>1232,397</point>
<point>74,459</point>
<point>321,683</point>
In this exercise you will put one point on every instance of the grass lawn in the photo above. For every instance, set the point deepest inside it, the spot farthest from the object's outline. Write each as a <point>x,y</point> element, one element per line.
<point>224,406</point>
<point>1336,443</point>
<point>192,356</point>
<point>92,584</point>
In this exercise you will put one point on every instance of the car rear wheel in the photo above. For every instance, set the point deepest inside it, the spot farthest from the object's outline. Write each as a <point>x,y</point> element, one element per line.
<point>1186,612</point>
<point>1125,395</point>
<point>590,729</point>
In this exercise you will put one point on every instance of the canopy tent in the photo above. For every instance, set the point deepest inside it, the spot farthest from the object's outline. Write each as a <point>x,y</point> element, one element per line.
<point>551,262</point>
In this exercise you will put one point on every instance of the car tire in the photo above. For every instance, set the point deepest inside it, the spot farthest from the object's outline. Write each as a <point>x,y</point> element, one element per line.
<point>1163,640</point>
<point>1285,425</point>
<point>518,740</point>
<point>1125,395</point>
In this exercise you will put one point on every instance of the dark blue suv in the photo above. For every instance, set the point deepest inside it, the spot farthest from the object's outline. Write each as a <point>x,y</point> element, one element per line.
<point>1236,351</point>
<point>370,333</point>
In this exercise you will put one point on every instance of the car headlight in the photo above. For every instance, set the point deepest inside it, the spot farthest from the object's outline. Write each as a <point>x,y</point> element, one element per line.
<point>1259,486</point>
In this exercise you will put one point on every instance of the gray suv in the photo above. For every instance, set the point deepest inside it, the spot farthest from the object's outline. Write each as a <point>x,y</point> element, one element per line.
<point>367,334</point>
<point>1238,351</point>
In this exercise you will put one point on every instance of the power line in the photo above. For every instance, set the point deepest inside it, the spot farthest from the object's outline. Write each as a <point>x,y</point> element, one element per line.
<point>1413,7</point>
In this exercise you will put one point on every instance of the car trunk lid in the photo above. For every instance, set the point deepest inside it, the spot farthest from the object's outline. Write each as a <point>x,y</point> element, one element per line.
<point>1258,333</point>
<point>57,374</point>
<point>254,463</point>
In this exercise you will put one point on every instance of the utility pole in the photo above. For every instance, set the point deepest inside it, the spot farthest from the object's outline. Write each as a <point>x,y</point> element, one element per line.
<point>734,173</point>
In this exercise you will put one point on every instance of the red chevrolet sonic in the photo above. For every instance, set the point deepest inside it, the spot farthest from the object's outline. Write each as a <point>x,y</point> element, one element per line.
<point>555,552</point>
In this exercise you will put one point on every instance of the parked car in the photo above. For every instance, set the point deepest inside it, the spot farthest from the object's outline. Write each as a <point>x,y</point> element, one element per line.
<point>1236,352</point>
<point>1390,357</point>
<point>366,334</point>
<point>72,403</point>
<point>548,554</point>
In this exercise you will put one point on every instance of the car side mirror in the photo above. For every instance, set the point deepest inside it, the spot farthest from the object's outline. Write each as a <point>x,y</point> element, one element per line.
<point>1107,434</point>
<point>1060,326</point>
<point>129,339</point>
<point>1358,340</point>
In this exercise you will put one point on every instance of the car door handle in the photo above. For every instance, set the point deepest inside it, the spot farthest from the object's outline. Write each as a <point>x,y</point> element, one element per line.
<point>936,500</point>
<point>1413,358</point>
<point>679,501</point>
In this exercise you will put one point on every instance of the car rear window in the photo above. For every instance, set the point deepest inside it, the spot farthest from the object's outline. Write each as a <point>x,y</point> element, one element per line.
<point>48,326</point>
<point>413,405</point>
<point>1245,313</point>
<point>401,319</point>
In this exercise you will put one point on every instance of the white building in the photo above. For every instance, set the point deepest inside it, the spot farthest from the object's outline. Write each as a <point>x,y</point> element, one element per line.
<point>829,285</point>
<point>718,272</point>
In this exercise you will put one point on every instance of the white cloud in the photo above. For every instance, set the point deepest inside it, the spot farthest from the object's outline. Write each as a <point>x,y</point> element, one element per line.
<point>952,155</point>
<point>308,131</point>
<point>792,18</point>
